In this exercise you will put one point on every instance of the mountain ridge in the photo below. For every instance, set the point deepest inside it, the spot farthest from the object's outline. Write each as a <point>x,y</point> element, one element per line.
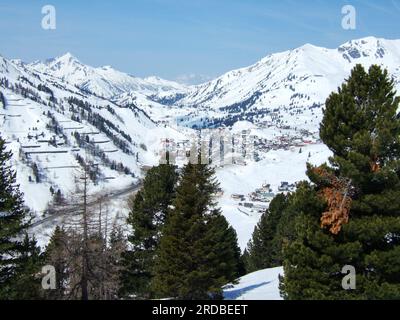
<point>61,114</point>
<point>298,78</point>
<point>104,81</point>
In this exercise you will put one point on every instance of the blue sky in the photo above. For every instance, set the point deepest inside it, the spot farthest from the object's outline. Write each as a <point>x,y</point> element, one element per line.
<point>177,38</point>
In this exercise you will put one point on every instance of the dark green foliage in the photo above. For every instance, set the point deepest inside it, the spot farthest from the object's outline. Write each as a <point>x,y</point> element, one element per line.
<point>198,251</point>
<point>27,283</point>
<point>57,254</point>
<point>19,255</point>
<point>36,173</point>
<point>44,88</point>
<point>104,125</point>
<point>245,262</point>
<point>148,212</point>
<point>362,129</point>
<point>264,247</point>
<point>58,197</point>
<point>224,248</point>
<point>3,100</point>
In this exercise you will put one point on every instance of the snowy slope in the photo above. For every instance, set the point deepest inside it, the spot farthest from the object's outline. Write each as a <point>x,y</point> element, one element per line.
<point>280,165</point>
<point>120,87</point>
<point>50,125</point>
<point>154,109</point>
<point>41,125</point>
<point>259,285</point>
<point>290,83</point>
<point>286,89</point>
<point>103,81</point>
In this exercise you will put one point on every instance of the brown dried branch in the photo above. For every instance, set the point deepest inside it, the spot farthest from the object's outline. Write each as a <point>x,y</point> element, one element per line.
<point>338,199</point>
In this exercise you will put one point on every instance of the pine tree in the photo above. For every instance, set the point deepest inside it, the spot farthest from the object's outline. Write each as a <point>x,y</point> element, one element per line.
<point>58,255</point>
<point>3,100</point>
<point>224,249</point>
<point>18,254</point>
<point>263,249</point>
<point>148,212</point>
<point>198,251</point>
<point>350,214</point>
<point>245,258</point>
<point>27,283</point>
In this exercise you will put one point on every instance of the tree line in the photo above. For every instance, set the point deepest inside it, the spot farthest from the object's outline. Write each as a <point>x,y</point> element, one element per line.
<point>178,244</point>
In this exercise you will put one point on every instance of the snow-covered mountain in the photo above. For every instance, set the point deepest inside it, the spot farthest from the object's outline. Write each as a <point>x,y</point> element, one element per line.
<point>103,81</point>
<point>54,127</point>
<point>61,111</point>
<point>293,84</point>
<point>290,86</point>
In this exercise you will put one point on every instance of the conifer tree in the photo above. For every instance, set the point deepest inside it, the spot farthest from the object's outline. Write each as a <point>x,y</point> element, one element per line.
<point>58,255</point>
<point>27,283</point>
<point>18,254</point>
<point>245,262</point>
<point>350,214</point>
<point>263,248</point>
<point>148,212</point>
<point>198,251</point>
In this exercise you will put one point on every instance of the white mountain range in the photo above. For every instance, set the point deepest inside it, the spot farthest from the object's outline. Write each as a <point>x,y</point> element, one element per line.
<point>50,106</point>
<point>294,80</point>
<point>104,81</point>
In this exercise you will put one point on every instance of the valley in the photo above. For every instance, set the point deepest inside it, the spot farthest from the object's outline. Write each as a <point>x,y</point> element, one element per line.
<point>61,116</point>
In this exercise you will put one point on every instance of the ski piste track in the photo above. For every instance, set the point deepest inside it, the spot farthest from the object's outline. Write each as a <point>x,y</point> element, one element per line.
<point>73,209</point>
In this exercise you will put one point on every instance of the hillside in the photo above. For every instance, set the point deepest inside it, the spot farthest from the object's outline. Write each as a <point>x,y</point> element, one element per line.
<point>61,115</point>
<point>55,128</point>
<point>288,87</point>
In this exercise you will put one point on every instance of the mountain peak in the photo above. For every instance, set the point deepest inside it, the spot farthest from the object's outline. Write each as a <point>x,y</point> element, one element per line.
<point>307,46</point>
<point>67,57</point>
<point>362,42</point>
<point>364,48</point>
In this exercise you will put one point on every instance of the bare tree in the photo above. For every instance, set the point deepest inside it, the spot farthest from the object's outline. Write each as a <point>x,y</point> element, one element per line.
<point>90,252</point>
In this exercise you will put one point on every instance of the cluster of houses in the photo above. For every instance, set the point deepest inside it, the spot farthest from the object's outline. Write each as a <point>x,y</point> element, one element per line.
<point>258,207</point>
<point>223,146</point>
<point>263,194</point>
<point>259,199</point>
<point>283,142</point>
<point>256,146</point>
<point>238,197</point>
<point>217,147</point>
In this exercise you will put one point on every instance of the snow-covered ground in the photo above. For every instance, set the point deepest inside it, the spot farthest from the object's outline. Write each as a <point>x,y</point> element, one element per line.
<point>282,94</point>
<point>259,285</point>
<point>278,166</point>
